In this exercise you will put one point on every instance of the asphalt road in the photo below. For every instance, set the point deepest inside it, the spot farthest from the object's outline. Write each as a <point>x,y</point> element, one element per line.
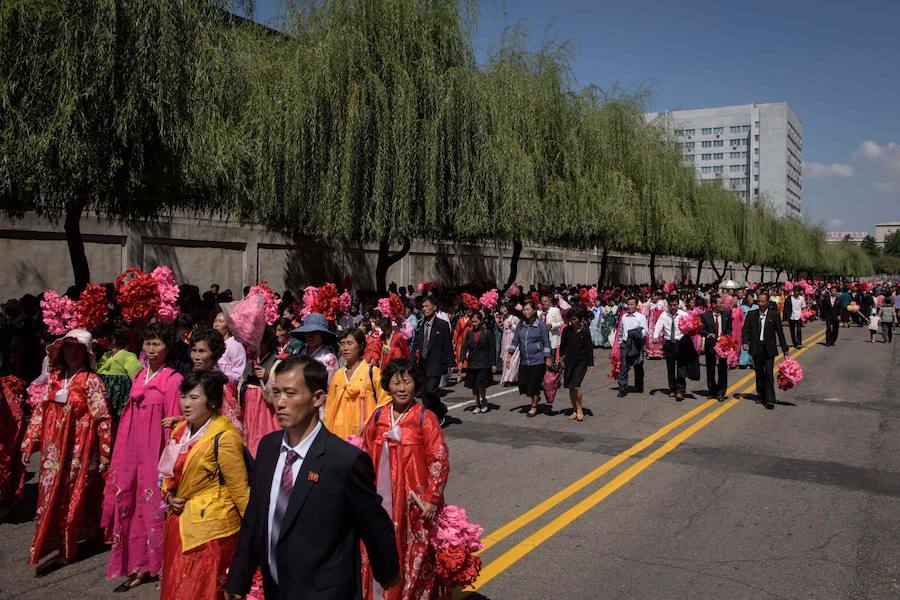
<point>649,498</point>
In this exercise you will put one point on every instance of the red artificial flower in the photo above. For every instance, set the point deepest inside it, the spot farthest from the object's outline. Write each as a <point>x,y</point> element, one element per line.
<point>326,302</point>
<point>91,307</point>
<point>616,367</point>
<point>535,298</point>
<point>470,301</point>
<point>138,295</point>
<point>12,386</point>
<point>726,346</point>
<point>585,296</point>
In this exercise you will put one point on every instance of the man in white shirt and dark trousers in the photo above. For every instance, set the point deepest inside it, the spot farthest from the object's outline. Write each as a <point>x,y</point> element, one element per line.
<point>681,356</point>
<point>793,314</point>
<point>632,347</point>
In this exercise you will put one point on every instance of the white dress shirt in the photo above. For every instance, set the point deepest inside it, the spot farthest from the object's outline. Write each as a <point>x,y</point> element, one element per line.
<point>664,326</point>
<point>629,322</point>
<point>762,325</point>
<point>555,323</point>
<point>301,449</point>
<point>798,303</point>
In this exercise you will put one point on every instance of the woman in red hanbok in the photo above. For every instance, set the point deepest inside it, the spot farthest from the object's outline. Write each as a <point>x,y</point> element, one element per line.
<point>12,428</point>
<point>394,345</point>
<point>72,429</point>
<point>459,335</point>
<point>411,464</point>
<point>654,348</point>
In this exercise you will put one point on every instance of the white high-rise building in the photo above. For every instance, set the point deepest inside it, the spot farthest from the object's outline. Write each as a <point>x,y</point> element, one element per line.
<point>755,149</point>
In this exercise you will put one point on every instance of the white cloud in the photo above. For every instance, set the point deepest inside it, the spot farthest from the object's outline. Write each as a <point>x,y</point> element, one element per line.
<point>887,187</point>
<point>886,156</point>
<point>815,170</point>
<point>834,224</point>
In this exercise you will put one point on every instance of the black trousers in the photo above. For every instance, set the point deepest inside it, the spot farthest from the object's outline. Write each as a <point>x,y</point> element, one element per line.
<point>887,330</point>
<point>431,397</point>
<point>765,378</point>
<point>832,326</point>
<point>796,332</point>
<point>637,364</point>
<point>677,381</point>
<point>716,374</point>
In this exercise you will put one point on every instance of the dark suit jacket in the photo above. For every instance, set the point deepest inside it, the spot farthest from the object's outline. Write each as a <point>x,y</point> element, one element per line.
<point>772,333</point>
<point>482,355</point>
<point>827,311</point>
<point>438,357</point>
<point>332,506</point>
<point>709,327</point>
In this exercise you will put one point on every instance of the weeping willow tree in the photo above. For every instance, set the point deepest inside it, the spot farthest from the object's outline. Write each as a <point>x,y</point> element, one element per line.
<point>720,224</point>
<point>117,108</point>
<point>369,127</point>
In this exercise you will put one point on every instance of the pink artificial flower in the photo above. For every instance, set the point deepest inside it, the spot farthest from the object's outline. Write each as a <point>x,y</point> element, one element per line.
<point>59,313</point>
<point>168,310</point>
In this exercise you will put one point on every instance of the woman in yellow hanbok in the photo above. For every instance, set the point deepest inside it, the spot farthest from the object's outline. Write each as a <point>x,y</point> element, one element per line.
<point>354,392</point>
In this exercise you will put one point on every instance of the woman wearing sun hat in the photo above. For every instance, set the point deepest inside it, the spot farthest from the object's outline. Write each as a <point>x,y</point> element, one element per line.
<point>319,340</point>
<point>71,426</point>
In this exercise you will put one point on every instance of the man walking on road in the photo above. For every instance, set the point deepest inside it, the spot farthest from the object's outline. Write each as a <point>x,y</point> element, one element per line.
<point>830,311</point>
<point>631,340</point>
<point>716,324</point>
<point>793,314</point>
<point>434,356</point>
<point>682,360</point>
<point>762,329</point>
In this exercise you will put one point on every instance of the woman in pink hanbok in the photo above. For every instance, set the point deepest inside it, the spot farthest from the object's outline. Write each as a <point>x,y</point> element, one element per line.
<point>737,327</point>
<point>654,348</point>
<point>132,517</point>
<point>510,374</point>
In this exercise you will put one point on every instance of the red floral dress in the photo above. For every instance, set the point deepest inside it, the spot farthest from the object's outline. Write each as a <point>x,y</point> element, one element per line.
<point>12,426</point>
<point>72,437</point>
<point>419,462</point>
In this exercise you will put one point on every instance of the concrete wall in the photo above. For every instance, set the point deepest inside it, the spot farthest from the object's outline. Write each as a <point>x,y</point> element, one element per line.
<point>34,257</point>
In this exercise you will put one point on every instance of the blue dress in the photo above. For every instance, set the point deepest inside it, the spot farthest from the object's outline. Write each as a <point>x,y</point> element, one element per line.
<point>745,356</point>
<point>596,323</point>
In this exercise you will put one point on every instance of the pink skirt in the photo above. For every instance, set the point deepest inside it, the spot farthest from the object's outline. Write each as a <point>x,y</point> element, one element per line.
<point>259,418</point>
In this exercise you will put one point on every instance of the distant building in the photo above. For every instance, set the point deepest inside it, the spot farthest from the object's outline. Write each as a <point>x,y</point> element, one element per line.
<point>851,236</point>
<point>882,230</point>
<point>755,149</point>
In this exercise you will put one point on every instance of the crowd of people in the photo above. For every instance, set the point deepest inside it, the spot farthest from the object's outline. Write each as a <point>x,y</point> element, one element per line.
<point>244,447</point>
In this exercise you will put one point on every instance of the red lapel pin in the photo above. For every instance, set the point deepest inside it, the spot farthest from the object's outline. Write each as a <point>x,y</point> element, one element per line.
<point>313,476</point>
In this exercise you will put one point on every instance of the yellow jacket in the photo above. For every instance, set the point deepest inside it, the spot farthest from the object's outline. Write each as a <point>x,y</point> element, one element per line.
<point>351,401</point>
<point>212,510</point>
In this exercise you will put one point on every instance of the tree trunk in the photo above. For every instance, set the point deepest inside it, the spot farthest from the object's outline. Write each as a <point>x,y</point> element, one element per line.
<point>385,260</point>
<point>652,271</point>
<point>81,270</point>
<point>699,271</point>
<point>778,274</point>
<point>604,261</point>
<point>747,271</point>
<point>513,265</point>
<point>762,273</point>
<point>719,276</point>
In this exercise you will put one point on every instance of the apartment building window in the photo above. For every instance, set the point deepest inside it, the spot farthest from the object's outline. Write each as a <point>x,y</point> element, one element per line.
<point>689,132</point>
<point>706,131</point>
<point>689,157</point>
<point>756,152</point>
<point>679,132</point>
<point>717,168</point>
<point>735,155</point>
<point>718,129</point>
<point>756,178</point>
<point>736,168</point>
<point>689,145</point>
<point>706,143</point>
<point>718,143</point>
<point>718,156</point>
<point>756,138</point>
<point>706,156</point>
<point>756,164</point>
<point>735,129</point>
<point>746,128</point>
<point>706,169</point>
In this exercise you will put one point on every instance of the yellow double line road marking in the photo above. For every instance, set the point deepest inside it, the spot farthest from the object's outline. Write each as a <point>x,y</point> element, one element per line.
<point>515,553</point>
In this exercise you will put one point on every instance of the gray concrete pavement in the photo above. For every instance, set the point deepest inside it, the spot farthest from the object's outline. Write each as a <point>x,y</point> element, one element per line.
<point>799,502</point>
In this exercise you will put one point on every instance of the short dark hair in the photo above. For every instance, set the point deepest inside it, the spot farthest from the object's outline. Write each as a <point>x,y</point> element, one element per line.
<point>214,341</point>
<point>631,297</point>
<point>212,382</point>
<point>762,293</point>
<point>430,298</point>
<point>714,298</point>
<point>397,366</point>
<point>530,303</point>
<point>315,375</point>
<point>672,297</point>
<point>120,334</point>
<point>161,332</point>
<point>184,321</point>
<point>357,335</point>
<point>284,323</point>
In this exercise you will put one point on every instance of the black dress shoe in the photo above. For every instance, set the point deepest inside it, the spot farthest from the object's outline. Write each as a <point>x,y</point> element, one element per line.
<point>769,405</point>
<point>721,397</point>
<point>622,394</point>
<point>679,397</point>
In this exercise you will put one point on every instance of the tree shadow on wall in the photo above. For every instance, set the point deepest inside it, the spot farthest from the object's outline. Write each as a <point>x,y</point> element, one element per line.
<point>315,262</point>
<point>458,264</point>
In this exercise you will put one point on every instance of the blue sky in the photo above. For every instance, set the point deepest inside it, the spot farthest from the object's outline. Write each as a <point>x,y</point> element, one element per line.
<point>836,63</point>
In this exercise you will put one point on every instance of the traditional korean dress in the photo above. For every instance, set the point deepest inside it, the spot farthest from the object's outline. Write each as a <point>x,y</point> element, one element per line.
<point>653,349</point>
<point>597,337</point>
<point>352,398</point>
<point>132,517</point>
<point>117,372</point>
<point>259,417</point>
<point>410,455</point>
<point>12,429</point>
<point>73,431</point>
<point>510,373</point>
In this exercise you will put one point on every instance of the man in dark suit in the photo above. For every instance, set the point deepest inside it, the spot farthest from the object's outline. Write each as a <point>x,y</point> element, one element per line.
<point>434,356</point>
<point>312,500</point>
<point>716,324</point>
<point>830,311</point>
<point>762,329</point>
